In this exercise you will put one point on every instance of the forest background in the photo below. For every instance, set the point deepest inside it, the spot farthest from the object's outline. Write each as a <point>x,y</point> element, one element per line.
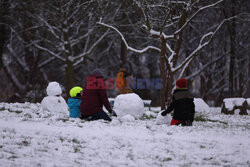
<point>206,41</point>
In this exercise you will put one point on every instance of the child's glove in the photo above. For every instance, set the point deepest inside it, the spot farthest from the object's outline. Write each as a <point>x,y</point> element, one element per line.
<point>112,112</point>
<point>164,113</point>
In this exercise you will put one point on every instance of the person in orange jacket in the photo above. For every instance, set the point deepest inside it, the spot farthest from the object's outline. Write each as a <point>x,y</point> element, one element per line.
<point>123,80</point>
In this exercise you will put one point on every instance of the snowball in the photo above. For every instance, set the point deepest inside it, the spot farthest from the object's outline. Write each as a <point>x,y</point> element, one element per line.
<point>201,105</point>
<point>129,103</point>
<point>56,105</point>
<point>231,102</point>
<point>163,119</point>
<point>53,89</point>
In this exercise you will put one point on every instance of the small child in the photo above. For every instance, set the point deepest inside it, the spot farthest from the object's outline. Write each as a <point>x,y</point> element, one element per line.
<point>182,104</point>
<point>74,102</point>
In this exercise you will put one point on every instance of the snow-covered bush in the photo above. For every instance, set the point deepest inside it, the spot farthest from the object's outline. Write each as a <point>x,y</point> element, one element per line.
<point>130,104</point>
<point>231,104</point>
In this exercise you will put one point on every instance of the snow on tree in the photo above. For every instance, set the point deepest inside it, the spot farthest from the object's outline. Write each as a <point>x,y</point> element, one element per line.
<point>169,27</point>
<point>71,34</point>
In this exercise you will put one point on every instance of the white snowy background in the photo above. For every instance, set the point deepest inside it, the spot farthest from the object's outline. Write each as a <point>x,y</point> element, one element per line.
<point>29,137</point>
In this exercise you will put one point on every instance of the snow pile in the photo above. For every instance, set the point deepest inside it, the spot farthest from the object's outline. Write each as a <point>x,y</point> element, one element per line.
<point>163,119</point>
<point>201,106</point>
<point>231,102</point>
<point>130,104</point>
<point>54,104</point>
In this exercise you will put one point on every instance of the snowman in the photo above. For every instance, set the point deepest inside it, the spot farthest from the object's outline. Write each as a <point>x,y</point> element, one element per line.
<point>54,104</point>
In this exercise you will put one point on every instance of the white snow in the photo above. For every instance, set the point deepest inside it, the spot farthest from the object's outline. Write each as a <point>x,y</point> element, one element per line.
<point>130,104</point>
<point>231,102</point>
<point>53,89</point>
<point>163,119</point>
<point>248,101</point>
<point>201,106</point>
<point>28,139</point>
<point>38,141</point>
<point>127,118</point>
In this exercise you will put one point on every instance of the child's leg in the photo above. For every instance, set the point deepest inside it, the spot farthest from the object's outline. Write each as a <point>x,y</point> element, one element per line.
<point>101,115</point>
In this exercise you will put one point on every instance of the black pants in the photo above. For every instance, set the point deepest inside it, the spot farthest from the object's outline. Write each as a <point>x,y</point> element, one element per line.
<point>98,115</point>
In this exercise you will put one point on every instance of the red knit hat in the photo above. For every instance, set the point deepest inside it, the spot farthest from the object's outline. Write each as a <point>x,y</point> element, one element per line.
<point>181,83</point>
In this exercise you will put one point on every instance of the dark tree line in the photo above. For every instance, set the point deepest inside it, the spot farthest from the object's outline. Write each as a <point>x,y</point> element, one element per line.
<point>64,40</point>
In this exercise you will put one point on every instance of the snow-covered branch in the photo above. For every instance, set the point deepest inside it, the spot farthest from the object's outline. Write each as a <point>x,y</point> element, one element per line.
<point>89,50</point>
<point>205,40</point>
<point>160,34</point>
<point>50,52</point>
<point>12,75</point>
<point>46,62</point>
<point>126,44</point>
<point>51,28</point>
<point>195,14</point>
<point>171,51</point>
<point>204,67</point>
<point>19,61</point>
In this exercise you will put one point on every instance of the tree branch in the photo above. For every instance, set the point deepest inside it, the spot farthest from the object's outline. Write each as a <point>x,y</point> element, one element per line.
<point>126,44</point>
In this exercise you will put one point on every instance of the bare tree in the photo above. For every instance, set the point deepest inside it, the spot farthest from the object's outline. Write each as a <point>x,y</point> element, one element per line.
<point>71,34</point>
<point>169,27</point>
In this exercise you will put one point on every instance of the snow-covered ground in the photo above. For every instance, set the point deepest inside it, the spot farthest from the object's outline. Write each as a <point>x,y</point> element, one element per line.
<point>31,138</point>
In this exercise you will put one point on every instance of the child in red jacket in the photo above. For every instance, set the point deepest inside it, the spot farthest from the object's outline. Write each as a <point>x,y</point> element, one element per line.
<point>94,98</point>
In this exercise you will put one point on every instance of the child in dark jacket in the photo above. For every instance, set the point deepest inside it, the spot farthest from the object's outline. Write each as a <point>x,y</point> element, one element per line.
<point>182,104</point>
<point>74,102</point>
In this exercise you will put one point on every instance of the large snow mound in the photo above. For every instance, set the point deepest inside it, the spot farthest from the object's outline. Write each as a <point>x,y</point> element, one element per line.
<point>231,102</point>
<point>53,89</point>
<point>201,106</point>
<point>130,104</point>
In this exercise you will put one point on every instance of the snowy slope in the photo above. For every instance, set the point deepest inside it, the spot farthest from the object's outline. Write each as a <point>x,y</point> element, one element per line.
<point>29,138</point>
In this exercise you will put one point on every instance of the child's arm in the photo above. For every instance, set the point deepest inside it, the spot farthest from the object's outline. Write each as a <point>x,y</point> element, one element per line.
<point>169,109</point>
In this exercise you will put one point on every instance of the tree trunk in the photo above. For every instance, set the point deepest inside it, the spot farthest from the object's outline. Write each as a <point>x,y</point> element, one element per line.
<point>232,54</point>
<point>69,76</point>
<point>169,87</point>
<point>2,41</point>
<point>163,74</point>
<point>4,9</point>
<point>69,69</point>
